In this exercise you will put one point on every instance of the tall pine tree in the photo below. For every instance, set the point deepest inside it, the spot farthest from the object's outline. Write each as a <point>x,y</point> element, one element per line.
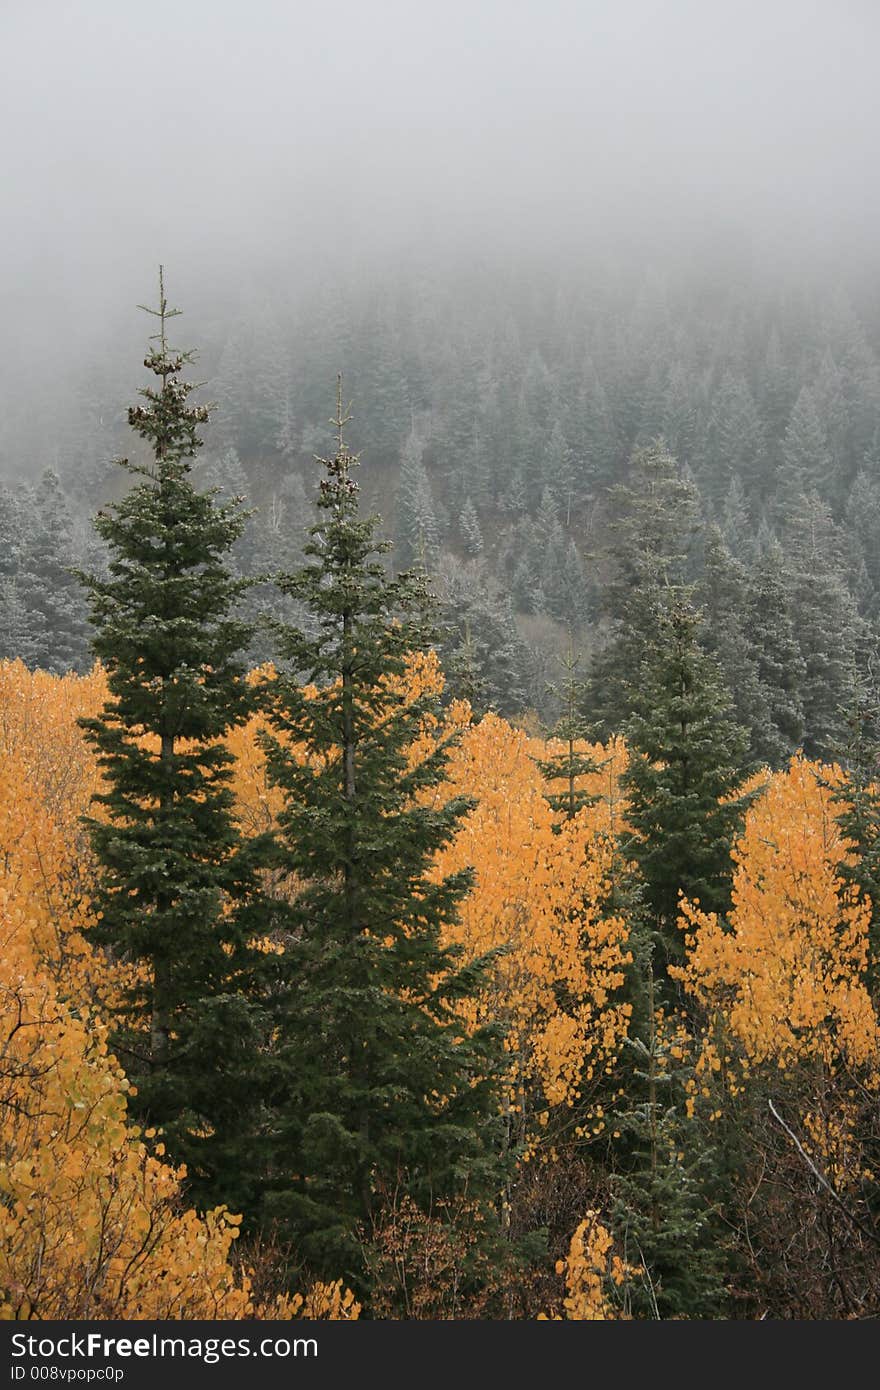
<point>382,1086</point>
<point>687,758</point>
<point>176,890</point>
<point>656,519</point>
<point>859,801</point>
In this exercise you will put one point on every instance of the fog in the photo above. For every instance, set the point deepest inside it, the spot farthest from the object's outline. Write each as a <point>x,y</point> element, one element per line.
<point>264,141</point>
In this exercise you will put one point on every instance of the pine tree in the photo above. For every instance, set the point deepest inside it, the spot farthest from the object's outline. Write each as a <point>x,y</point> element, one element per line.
<point>461,668</point>
<point>227,477</point>
<point>680,420</point>
<point>522,557</point>
<point>22,629</point>
<point>226,474</point>
<point>736,524</point>
<point>725,595</point>
<point>559,472</point>
<point>287,438</point>
<point>10,532</point>
<point>383,1088</point>
<point>571,593</point>
<point>656,521</point>
<point>859,800</point>
<point>848,394</point>
<point>268,380</point>
<point>276,538</point>
<point>591,432</point>
<point>777,395</point>
<point>47,587</point>
<point>571,763</point>
<point>416,533</point>
<point>735,440</point>
<point>513,500</point>
<point>806,457</point>
<point>481,651</point>
<point>688,756</point>
<point>469,527</point>
<point>662,1210</point>
<point>176,888</point>
<point>550,561</point>
<point>475,480</point>
<point>233,422</point>
<point>862,518</point>
<point>826,623</point>
<point>781,667</point>
<point>22,635</point>
<point>833,409</point>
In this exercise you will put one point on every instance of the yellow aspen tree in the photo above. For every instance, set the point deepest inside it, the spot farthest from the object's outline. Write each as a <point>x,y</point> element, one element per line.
<point>789,975</point>
<point>788,1062</point>
<point>538,901</point>
<point>591,1269</point>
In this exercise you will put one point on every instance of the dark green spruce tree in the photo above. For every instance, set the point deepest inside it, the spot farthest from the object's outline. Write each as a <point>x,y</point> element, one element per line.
<point>859,802</point>
<point>482,654</point>
<point>383,1090</point>
<point>663,1208</point>
<point>687,758</point>
<point>572,763</point>
<point>654,528</point>
<point>45,584</point>
<point>176,885</point>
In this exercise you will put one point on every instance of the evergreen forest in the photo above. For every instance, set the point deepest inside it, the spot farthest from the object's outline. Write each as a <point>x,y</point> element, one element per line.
<point>439,876</point>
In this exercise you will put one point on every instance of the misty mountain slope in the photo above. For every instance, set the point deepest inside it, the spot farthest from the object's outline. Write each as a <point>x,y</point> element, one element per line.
<point>499,419</point>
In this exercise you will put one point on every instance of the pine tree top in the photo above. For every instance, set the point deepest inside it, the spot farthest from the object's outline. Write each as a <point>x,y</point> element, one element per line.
<point>339,490</point>
<point>167,422</point>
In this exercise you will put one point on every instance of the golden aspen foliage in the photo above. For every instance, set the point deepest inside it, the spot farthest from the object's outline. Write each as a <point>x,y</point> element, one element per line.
<point>789,976</point>
<point>329,1302</point>
<point>258,803</point>
<point>590,1269</point>
<point>38,729</point>
<point>538,901</point>
<point>92,1223</point>
<point>788,1054</point>
<point>47,777</point>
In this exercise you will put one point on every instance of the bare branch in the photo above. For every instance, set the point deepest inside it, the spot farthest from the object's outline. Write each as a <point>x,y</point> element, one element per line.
<point>821,1179</point>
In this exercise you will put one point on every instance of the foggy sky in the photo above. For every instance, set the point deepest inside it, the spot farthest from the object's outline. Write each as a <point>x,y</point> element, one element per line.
<point>221,136</point>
